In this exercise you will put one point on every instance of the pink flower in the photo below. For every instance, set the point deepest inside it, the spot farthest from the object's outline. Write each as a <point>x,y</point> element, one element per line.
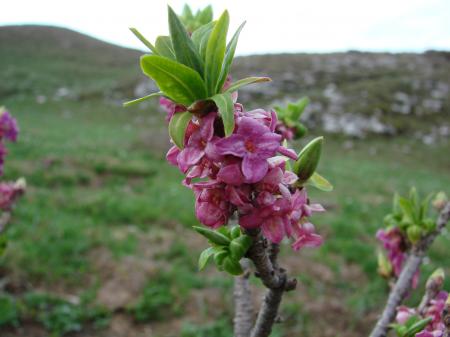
<point>196,144</point>
<point>231,173</point>
<point>403,314</point>
<point>394,242</point>
<point>8,126</point>
<point>286,132</point>
<point>172,155</point>
<point>300,206</point>
<point>267,118</point>
<point>306,236</point>
<point>253,142</point>
<point>428,334</point>
<point>211,207</point>
<point>170,107</point>
<point>9,192</point>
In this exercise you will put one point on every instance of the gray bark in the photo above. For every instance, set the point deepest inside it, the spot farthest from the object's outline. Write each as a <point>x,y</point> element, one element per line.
<point>243,305</point>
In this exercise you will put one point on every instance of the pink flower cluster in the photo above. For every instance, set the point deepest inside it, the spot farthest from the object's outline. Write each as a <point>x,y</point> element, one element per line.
<point>395,243</point>
<point>10,192</point>
<point>244,173</point>
<point>434,310</point>
<point>8,131</point>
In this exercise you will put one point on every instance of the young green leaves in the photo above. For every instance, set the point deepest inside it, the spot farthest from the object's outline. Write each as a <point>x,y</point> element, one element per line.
<point>228,247</point>
<point>185,50</point>
<point>411,215</point>
<point>193,21</point>
<point>204,52</point>
<point>291,113</point>
<point>177,81</point>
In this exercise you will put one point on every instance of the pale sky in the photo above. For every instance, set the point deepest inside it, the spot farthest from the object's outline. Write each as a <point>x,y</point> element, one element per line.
<point>272,26</point>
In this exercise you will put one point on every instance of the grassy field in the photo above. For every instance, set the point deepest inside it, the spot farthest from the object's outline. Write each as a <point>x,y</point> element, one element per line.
<point>103,203</point>
<point>101,244</point>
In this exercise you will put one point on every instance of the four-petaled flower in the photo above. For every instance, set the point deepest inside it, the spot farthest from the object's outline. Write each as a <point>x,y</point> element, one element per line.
<point>254,143</point>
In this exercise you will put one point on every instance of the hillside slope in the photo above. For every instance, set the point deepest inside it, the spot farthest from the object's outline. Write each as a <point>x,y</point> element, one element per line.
<point>357,92</point>
<point>353,93</point>
<point>40,60</point>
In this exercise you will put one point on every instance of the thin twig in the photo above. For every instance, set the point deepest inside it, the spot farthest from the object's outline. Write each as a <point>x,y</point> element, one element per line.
<point>273,278</point>
<point>243,317</point>
<point>403,284</point>
<point>433,287</point>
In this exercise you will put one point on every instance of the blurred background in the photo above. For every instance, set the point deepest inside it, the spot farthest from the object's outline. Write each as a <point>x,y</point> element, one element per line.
<point>101,244</point>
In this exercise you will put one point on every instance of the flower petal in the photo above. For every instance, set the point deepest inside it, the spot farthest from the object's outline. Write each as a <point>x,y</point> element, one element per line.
<point>254,169</point>
<point>233,145</point>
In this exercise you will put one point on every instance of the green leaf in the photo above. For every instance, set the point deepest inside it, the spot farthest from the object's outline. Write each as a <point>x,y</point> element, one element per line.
<point>215,52</point>
<point>235,232</point>
<point>225,107</point>
<point>407,209</point>
<point>200,38</point>
<point>205,16</point>
<point>424,206</point>
<point>231,48</point>
<point>320,183</point>
<point>225,231</point>
<point>146,42</point>
<point>183,46</point>
<point>204,257</point>
<point>246,81</point>
<point>396,204</point>
<point>177,127</point>
<point>213,236</point>
<point>219,257</point>
<point>187,12</point>
<point>232,266</point>
<point>295,110</point>
<point>164,47</point>
<point>417,327</point>
<point>240,246</point>
<point>142,99</point>
<point>181,84</point>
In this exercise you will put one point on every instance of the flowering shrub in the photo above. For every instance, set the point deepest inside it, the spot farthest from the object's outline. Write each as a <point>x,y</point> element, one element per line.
<point>9,191</point>
<point>235,161</point>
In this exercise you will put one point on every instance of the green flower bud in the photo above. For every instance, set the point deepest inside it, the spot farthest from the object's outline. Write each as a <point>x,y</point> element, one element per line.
<point>436,279</point>
<point>300,130</point>
<point>213,236</point>
<point>414,233</point>
<point>429,225</point>
<point>440,200</point>
<point>405,223</point>
<point>235,232</point>
<point>308,159</point>
<point>219,257</point>
<point>384,266</point>
<point>231,266</point>
<point>239,246</point>
<point>225,230</point>
<point>389,220</point>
